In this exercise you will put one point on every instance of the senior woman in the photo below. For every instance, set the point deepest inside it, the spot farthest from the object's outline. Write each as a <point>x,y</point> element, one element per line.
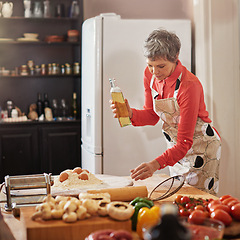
<point>175,95</point>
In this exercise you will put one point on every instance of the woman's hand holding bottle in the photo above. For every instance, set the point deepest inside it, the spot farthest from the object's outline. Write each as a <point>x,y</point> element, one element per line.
<point>116,109</point>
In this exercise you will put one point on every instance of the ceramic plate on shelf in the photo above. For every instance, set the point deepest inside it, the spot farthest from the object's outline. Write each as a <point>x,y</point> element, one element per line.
<point>27,39</point>
<point>6,39</point>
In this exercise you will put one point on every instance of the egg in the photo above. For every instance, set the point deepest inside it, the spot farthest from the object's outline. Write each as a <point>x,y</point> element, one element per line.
<point>63,176</point>
<point>77,170</point>
<point>83,176</point>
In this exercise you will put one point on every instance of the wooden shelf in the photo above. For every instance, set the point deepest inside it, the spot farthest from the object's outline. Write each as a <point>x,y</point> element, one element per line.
<point>44,76</point>
<point>38,19</point>
<point>40,43</point>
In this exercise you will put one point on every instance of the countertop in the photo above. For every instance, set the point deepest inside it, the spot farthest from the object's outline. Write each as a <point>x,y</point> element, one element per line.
<point>18,230</point>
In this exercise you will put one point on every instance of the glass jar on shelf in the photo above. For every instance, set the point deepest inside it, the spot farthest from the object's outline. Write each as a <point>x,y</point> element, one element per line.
<point>76,68</point>
<point>24,70</point>
<point>49,69</point>
<point>68,69</point>
<point>43,69</point>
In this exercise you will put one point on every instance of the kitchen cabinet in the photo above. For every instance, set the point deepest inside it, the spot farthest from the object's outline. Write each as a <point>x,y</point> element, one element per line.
<point>22,90</point>
<point>37,147</point>
<point>19,150</point>
<point>60,148</point>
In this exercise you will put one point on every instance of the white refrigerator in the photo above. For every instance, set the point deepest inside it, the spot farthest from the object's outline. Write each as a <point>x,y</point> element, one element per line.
<point>113,48</point>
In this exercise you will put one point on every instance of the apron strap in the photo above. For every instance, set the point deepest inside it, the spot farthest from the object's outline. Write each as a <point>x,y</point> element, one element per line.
<point>177,86</point>
<point>155,94</point>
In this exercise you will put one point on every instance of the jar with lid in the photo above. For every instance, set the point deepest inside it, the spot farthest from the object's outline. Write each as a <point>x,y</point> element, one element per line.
<point>54,69</point>
<point>24,70</point>
<point>32,71</point>
<point>49,69</point>
<point>68,69</point>
<point>37,69</point>
<point>76,68</point>
<point>43,69</point>
<point>30,64</point>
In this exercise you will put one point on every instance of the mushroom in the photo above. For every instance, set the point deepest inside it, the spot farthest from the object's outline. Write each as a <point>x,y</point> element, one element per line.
<point>70,206</point>
<point>77,201</point>
<point>62,204</point>
<point>90,205</point>
<point>57,213</point>
<point>69,217</point>
<point>102,208</point>
<point>95,196</point>
<point>81,212</point>
<point>120,210</point>
<point>43,206</point>
<point>61,198</point>
<point>43,211</point>
<point>46,215</point>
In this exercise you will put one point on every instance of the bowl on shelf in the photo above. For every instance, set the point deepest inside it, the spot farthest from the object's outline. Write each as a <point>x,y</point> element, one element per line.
<point>209,229</point>
<point>31,35</point>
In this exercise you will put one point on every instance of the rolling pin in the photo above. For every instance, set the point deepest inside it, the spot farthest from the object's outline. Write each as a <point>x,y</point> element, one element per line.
<point>126,194</point>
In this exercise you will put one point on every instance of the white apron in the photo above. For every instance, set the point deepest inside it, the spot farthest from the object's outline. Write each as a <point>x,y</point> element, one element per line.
<point>201,163</point>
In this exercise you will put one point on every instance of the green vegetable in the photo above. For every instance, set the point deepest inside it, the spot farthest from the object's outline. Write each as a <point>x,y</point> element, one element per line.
<point>134,217</point>
<point>145,200</point>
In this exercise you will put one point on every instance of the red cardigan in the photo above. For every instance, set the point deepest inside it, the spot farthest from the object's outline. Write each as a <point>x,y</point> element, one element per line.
<point>190,99</point>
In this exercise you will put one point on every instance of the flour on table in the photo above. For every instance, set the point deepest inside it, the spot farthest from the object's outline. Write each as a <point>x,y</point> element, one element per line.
<point>74,182</point>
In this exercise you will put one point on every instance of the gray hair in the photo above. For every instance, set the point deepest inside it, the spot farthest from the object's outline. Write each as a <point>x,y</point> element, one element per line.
<point>162,44</point>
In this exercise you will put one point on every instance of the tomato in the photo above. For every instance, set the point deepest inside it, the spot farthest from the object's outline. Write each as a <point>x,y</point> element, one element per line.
<point>196,217</point>
<point>189,205</point>
<point>224,197</point>
<point>184,212</point>
<point>232,203</point>
<point>207,214</point>
<point>178,199</point>
<point>235,211</point>
<point>222,216</point>
<point>190,210</point>
<point>214,202</point>
<point>200,207</point>
<point>228,200</point>
<point>220,206</point>
<point>185,199</point>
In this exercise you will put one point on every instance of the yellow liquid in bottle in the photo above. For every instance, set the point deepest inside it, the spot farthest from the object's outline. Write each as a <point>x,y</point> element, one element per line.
<point>123,116</point>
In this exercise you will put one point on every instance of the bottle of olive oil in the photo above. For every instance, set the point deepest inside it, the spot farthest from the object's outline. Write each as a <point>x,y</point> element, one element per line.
<point>117,97</point>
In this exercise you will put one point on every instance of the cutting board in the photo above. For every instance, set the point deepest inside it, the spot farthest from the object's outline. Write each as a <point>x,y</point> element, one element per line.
<point>57,229</point>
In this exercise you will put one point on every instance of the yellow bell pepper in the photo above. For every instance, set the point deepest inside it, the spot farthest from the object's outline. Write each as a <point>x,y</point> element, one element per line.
<point>147,218</point>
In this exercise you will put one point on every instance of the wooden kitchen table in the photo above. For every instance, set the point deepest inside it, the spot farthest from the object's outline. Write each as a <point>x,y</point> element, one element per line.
<point>19,232</point>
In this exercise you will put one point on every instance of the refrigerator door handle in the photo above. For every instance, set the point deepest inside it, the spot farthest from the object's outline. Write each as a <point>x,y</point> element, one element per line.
<point>88,122</point>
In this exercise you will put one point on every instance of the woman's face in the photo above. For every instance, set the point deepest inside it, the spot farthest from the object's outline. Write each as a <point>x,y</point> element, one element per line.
<point>161,67</point>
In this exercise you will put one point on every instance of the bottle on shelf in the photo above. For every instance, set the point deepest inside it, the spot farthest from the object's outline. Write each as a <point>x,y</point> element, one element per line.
<point>55,108</point>
<point>39,105</point>
<point>47,9</point>
<point>74,106</point>
<point>117,97</point>
<point>63,109</point>
<point>46,101</point>
<point>9,108</point>
<point>169,227</point>
<point>75,9</point>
